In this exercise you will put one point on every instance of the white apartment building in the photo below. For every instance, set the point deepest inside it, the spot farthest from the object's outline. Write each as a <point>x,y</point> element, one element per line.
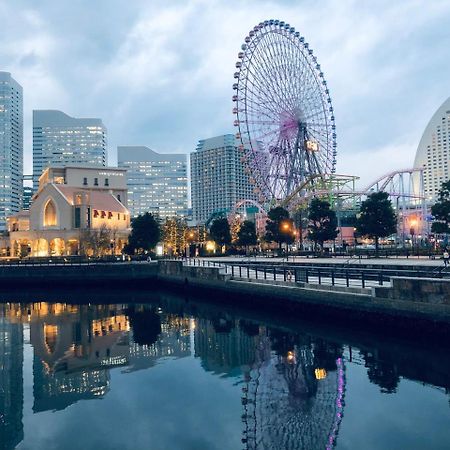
<point>218,179</point>
<point>157,182</point>
<point>433,153</point>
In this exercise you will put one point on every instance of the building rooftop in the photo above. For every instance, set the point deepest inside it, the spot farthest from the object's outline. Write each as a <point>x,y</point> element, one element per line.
<point>55,118</point>
<point>145,154</point>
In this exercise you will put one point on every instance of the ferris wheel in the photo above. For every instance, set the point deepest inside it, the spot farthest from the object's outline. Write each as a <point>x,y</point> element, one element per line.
<point>283,112</point>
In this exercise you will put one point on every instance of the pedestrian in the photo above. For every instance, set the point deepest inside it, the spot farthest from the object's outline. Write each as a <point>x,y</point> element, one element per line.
<point>446,257</point>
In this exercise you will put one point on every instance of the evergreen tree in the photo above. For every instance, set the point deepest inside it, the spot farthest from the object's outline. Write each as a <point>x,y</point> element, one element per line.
<point>322,222</point>
<point>220,231</point>
<point>247,234</point>
<point>441,211</point>
<point>279,227</point>
<point>377,217</point>
<point>145,234</point>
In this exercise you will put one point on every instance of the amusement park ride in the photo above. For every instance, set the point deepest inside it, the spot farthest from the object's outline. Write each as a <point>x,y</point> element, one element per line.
<point>287,133</point>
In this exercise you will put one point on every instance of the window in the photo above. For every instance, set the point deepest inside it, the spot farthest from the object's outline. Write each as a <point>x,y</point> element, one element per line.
<point>95,213</point>
<point>106,181</point>
<point>84,181</point>
<point>50,219</point>
<point>95,181</point>
<point>110,215</point>
<point>77,218</point>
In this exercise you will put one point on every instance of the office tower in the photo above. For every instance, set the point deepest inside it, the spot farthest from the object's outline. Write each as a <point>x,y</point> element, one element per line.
<point>218,178</point>
<point>11,147</point>
<point>60,140</point>
<point>157,182</point>
<point>433,153</point>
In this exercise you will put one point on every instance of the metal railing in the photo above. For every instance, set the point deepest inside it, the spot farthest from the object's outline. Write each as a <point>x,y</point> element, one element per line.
<point>338,275</point>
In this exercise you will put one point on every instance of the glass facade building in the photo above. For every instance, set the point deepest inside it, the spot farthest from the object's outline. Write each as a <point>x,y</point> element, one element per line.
<point>60,140</point>
<point>157,183</point>
<point>11,147</point>
<point>218,178</point>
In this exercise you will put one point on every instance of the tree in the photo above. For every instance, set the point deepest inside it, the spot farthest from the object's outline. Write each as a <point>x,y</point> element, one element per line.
<point>377,217</point>
<point>279,227</point>
<point>322,222</point>
<point>145,234</point>
<point>220,231</point>
<point>175,234</point>
<point>96,242</point>
<point>441,211</point>
<point>247,234</point>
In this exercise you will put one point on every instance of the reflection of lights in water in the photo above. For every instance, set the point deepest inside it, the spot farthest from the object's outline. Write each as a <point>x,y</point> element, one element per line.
<point>320,374</point>
<point>339,404</point>
<point>290,357</point>
<point>114,361</point>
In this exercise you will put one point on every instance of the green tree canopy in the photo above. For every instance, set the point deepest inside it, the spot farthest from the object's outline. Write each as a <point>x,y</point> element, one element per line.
<point>220,231</point>
<point>279,226</point>
<point>247,234</point>
<point>377,217</point>
<point>145,234</point>
<point>441,211</point>
<point>322,222</point>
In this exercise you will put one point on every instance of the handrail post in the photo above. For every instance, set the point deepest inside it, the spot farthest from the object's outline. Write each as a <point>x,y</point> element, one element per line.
<point>256,272</point>
<point>284,273</point>
<point>363,281</point>
<point>332,277</point>
<point>248,272</point>
<point>232,270</point>
<point>240,271</point>
<point>319,275</point>
<point>346,278</point>
<point>265,273</point>
<point>274,274</point>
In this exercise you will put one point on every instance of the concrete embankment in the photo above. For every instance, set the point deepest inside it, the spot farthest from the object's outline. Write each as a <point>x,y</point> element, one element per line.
<point>100,275</point>
<point>348,304</point>
<point>426,306</point>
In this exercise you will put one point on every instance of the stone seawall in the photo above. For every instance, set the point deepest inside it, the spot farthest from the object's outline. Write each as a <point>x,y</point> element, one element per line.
<point>340,303</point>
<point>423,290</point>
<point>102,275</point>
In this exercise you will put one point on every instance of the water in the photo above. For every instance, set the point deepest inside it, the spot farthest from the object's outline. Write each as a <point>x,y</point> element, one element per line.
<point>166,372</point>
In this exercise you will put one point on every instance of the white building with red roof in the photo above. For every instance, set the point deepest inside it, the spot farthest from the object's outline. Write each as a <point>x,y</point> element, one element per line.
<point>76,210</point>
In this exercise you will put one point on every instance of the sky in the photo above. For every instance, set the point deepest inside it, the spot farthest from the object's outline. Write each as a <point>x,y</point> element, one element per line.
<point>159,72</point>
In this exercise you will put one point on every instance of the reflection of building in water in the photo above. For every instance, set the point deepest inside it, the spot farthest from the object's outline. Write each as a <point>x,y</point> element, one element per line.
<point>73,350</point>
<point>11,383</point>
<point>223,346</point>
<point>173,341</point>
<point>292,400</point>
<point>74,346</point>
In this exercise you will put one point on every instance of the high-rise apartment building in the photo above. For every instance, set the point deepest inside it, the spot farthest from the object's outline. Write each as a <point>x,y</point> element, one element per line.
<point>433,153</point>
<point>218,179</point>
<point>157,183</point>
<point>60,140</point>
<point>11,147</point>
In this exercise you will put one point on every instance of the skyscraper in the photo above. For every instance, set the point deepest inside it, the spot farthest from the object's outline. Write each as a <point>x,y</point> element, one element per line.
<point>11,147</point>
<point>60,140</point>
<point>433,153</point>
<point>157,183</point>
<point>218,178</point>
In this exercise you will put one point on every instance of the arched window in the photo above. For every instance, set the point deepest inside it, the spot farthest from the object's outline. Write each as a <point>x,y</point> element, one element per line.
<point>50,219</point>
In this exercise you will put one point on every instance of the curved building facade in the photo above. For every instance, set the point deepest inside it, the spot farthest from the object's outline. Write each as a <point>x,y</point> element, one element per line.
<point>433,153</point>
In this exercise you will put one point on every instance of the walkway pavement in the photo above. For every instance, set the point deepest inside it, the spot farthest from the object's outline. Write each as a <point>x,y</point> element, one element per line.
<point>411,261</point>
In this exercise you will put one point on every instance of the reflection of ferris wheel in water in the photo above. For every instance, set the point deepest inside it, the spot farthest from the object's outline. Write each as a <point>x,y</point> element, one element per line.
<point>283,111</point>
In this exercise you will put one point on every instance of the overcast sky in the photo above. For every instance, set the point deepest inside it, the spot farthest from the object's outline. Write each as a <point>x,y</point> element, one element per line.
<point>159,72</point>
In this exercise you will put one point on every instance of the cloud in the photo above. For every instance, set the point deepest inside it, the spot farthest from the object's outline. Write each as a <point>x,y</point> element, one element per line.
<point>160,73</point>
